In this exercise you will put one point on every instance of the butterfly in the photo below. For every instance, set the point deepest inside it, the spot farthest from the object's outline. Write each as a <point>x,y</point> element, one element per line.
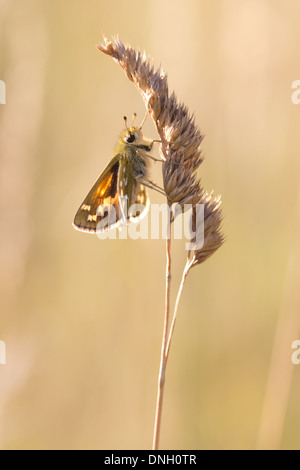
<point>121,186</point>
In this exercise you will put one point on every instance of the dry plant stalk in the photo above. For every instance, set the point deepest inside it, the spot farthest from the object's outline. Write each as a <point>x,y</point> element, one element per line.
<point>180,151</point>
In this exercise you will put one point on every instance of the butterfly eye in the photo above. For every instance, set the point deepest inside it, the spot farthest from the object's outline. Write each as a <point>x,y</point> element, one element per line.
<point>130,138</point>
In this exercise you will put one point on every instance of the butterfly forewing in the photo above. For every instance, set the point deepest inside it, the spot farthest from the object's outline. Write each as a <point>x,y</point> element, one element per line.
<point>102,202</point>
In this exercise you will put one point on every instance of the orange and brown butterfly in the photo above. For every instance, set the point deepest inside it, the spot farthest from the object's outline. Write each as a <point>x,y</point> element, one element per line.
<point>124,179</point>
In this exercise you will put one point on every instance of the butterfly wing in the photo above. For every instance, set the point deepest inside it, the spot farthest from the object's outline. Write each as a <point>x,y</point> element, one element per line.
<point>134,193</point>
<point>100,208</point>
<point>116,198</point>
<point>140,203</point>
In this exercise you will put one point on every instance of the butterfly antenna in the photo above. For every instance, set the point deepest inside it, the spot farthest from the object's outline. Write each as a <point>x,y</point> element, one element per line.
<point>125,120</point>
<point>133,118</point>
<point>143,121</point>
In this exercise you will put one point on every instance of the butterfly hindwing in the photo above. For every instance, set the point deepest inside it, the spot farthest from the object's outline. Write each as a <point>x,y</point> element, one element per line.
<point>140,202</point>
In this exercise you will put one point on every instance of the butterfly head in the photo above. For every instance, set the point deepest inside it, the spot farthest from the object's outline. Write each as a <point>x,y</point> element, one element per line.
<point>133,136</point>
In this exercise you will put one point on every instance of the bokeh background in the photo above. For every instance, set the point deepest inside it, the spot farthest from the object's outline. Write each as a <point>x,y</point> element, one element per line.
<point>82,318</point>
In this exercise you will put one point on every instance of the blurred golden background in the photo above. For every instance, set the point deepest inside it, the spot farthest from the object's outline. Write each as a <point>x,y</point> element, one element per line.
<point>82,318</point>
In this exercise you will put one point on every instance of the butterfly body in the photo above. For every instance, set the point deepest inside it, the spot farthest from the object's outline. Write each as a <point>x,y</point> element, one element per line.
<point>122,180</point>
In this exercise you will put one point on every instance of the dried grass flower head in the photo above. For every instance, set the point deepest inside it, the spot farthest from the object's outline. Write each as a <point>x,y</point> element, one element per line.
<point>210,228</point>
<point>180,137</point>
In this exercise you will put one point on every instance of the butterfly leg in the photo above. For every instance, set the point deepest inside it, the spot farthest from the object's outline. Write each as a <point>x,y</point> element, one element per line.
<point>160,160</point>
<point>144,154</point>
<point>150,185</point>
